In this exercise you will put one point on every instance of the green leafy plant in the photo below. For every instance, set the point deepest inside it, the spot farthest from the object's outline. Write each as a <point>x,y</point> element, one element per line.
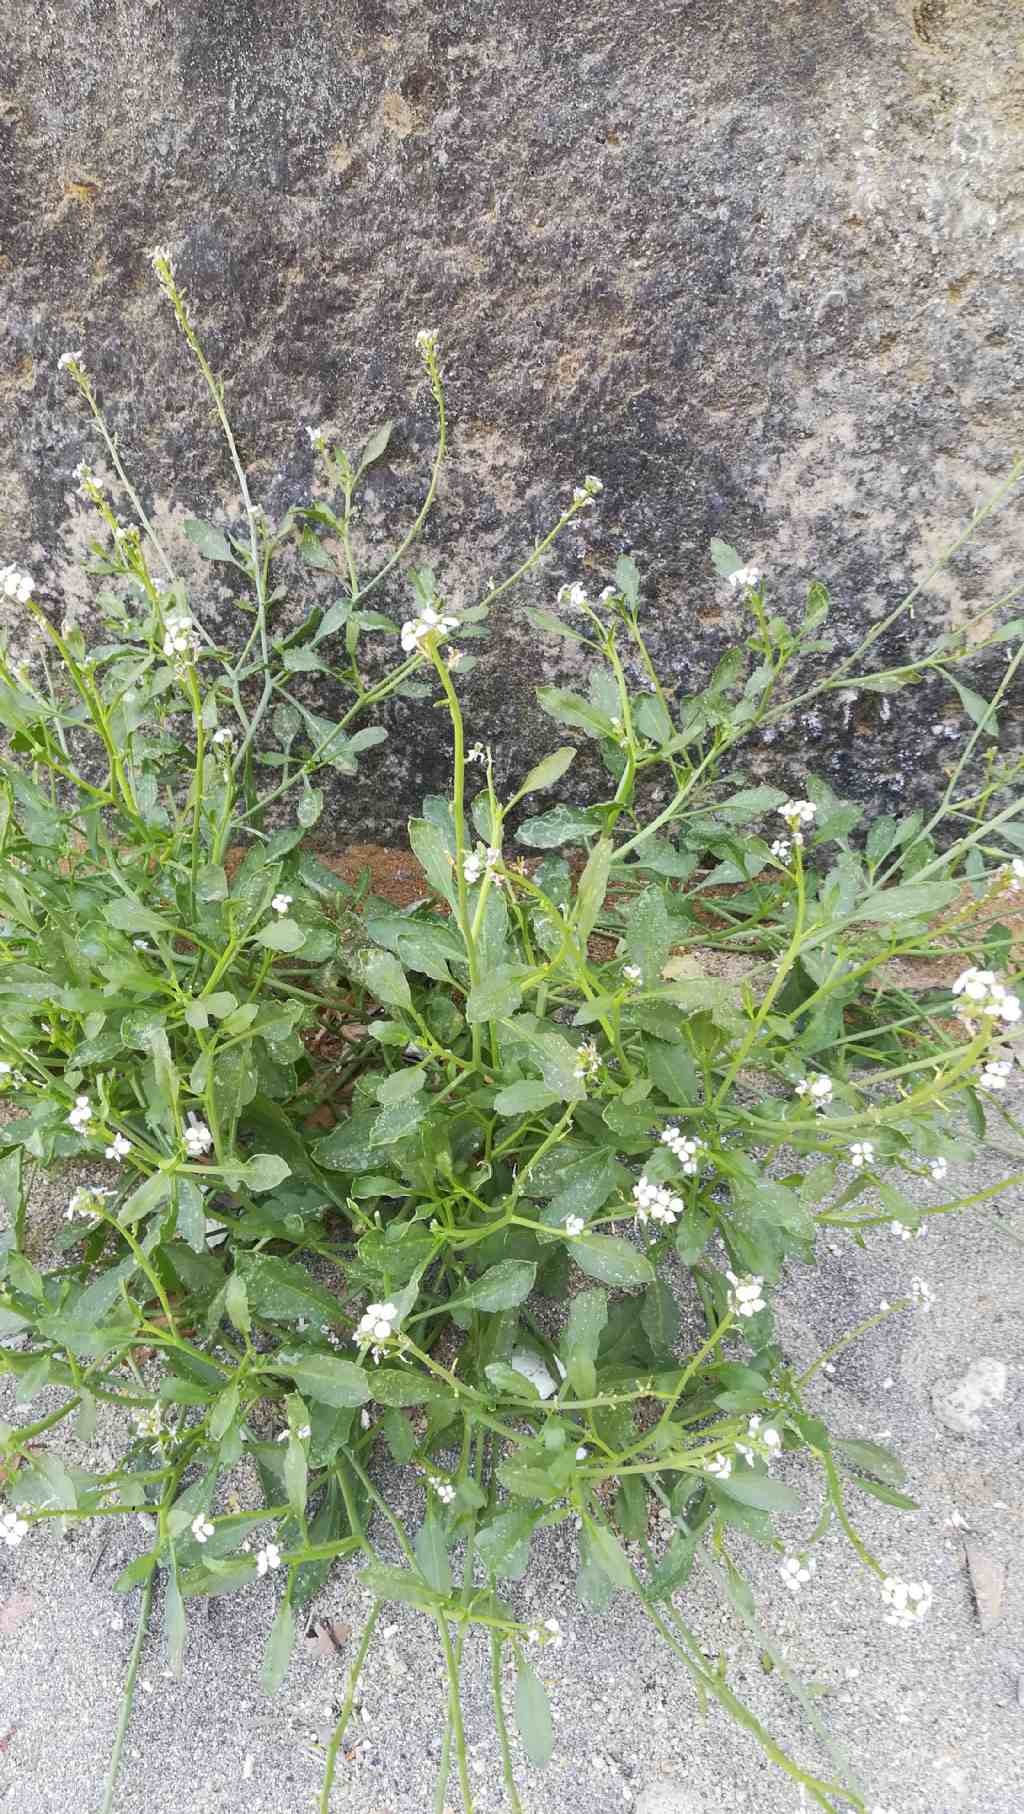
<point>500,1183</point>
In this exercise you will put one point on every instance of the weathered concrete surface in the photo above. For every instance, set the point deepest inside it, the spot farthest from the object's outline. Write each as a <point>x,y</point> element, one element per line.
<point>758,265</point>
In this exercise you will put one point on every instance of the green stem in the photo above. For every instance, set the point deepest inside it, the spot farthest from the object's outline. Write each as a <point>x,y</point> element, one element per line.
<point>127,1697</point>
<point>345,1715</point>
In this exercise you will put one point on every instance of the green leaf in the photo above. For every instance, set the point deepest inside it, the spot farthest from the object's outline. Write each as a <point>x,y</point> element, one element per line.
<point>672,1069</point>
<point>375,447</point>
<point>592,888</point>
<point>974,705</point>
<point>502,1287</point>
<point>400,1584</point>
<point>384,977</point>
<point>236,1303</point>
<point>265,1171</point>
<point>724,558</point>
<point>145,1197</point>
<point>399,1086</point>
<point>496,996</point>
<point>546,773</point>
<point>399,1119</point>
<point>912,900</point>
<point>872,1458</point>
<point>433,856</point>
<point>610,1556</point>
<point>174,1625</point>
<point>649,933</point>
<point>131,916</point>
<point>281,935</point>
<point>560,826</point>
<point>277,1655</point>
<point>212,882</point>
<point>659,1317</point>
<point>211,542</point>
<point>554,1055</point>
<point>327,1378</point>
<point>282,1291</point>
<point>533,1715</point>
<point>758,1490</point>
<point>612,1260</point>
<point>524,1098</point>
<point>432,1553</point>
<point>224,1412</point>
<point>588,1314</point>
<point>503,1545</point>
<point>405,1388</point>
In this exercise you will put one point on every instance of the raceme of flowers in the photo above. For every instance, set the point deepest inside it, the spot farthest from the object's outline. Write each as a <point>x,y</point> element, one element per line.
<point>907,1601</point>
<point>417,630</point>
<point>981,992</point>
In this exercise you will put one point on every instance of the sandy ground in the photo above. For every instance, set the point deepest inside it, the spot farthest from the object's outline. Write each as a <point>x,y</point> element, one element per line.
<point>932,1718</point>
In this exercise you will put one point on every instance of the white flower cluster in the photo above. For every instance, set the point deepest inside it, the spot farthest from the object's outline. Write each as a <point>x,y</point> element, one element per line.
<point>922,1294</point>
<point>550,1632</point>
<point>281,903</point>
<point>796,813</point>
<point>588,1061</point>
<point>85,1204</point>
<point>119,1148</point>
<point>759,1431</point>
<point>720,1466</point>
<point>782,848</point>
<point>13,1529</point>
<point>149,1422</point>
<point>223,737</point>
<point>938,1168</point>
<point>443,1488</point>
<point>904,1232</point>
<point>817,1089</point>
<point>981,992</point>
<point>746,1294</point>
<point>744,579</point>
<point>197,1137</point>
<point>16,584</point>
<point>268,1557</point>
<point>201,1527</point>
<point>584,495</point>
<point>996,1074</point>
<point>180,640</point>
<point>426,344</point>
<point>81,1115</point>
<point>68,359</point>
<point>576,597</point>
<point>907,1601</point>
<point>862,1152</point>
<point>797,1573</point>
<point>655,1202</point>
<point>377,1323</point>
<point>416,630</point>
<point>687,1149</point>
<point>1014,874</point>
<point>632,973</point>
<point>477,861</point>
<point>574,1225</point>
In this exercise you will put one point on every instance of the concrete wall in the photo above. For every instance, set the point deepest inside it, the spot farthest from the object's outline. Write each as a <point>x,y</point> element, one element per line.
<point>757,263</point>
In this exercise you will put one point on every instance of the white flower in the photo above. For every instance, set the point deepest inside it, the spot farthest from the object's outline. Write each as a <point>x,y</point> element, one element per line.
<point>764,1432</point>
<point>782,848</point>
<point>443,1488</point>
<point>317,436</point>
<point>922,1294</point>
<point>141,944</point>
<point>632,973</point>
<point>149,1422</point>
<point>180,638</point>
<point>6,1070</point>
<point>588,1061</point>
<point>746,1296</point>
<point>224,735</point>
<point>797,1574</point>
<point>159,255</point>
<point>592,484</point>
<point>426,343</point>
<point>268,1557</point>
<point>550,1632</point>
<point>201,1527</point>
<point>197,1138</point>
<point>686,1148</point>
<point>862,1152</point>
<point>85,1204</point>
<point>583,495</point>
<point>797,813</point>
<point>720,1466</point>
<point>904,1232</point>
<point>81,1114</point>
<point>416,630</point>
<point>304,1432</point>
<point>574,1225</point>
<point>938,1169</point>
<point>908,1601</point>
<point>119,1148</point>
<point>576,597</point>
<point>582,1452</point>
<point>473,866</point>
<point>982,992</point>
<point>12,1529</point>
<point>818,1089</point>
<point>655,1203</point>
<point>1014,873</point>
<point>376,1324</point>
<point>67,359</point>
<point>16,584</point>
<point>364,1419</point>
<point>744,579</point>
<point>281,903</point>
<point>996,1074</point>
<point>477,753</point>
